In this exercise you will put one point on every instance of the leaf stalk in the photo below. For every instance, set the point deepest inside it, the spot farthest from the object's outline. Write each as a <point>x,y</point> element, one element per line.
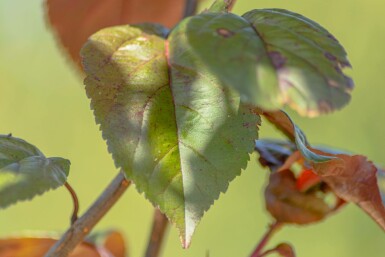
<point>159,227</point>
<point>265,239</point>
<point>75,201</point>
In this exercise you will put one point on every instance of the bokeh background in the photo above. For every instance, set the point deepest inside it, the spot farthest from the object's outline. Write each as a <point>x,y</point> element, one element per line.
<point>42,100</point>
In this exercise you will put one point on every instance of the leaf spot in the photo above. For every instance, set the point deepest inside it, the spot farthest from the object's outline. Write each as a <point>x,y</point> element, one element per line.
<point>225,32</point>
<point>277,59</point>
<point>330,57</point>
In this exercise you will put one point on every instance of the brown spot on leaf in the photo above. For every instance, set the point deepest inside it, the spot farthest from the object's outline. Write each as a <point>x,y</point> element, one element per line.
<point>338,69</point>
<point>324,106</point>
<point>330,56</point>
<point>277,59</point>
<point>225,32</point>
<point>332,37</point>
<point>333,83</point>
<point>345,64</point>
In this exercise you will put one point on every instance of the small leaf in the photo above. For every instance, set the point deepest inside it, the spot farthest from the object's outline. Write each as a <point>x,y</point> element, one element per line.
<point>73,21</point>
<point>173,128</point>
<point>285,250</point>
<point>271,57</point>
<point>287,204</point>
<point>25,172</point>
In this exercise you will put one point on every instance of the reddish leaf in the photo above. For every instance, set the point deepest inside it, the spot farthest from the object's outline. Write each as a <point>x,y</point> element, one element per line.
<point>307,179</point>
<point>37,247</point>
<point>114,243</point>
<point>381,183</point>
<point>281,121</point>
<point>352,178</point>
<point>285,250</point>
<point>110,244</point>
<point>73,21</point>
<point>288,205</point>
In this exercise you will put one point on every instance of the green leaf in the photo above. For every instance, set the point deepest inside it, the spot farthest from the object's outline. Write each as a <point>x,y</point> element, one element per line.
<point>173,128</point>
<point>271,57</point>
<point>221,6</point>
<point>25,172</point>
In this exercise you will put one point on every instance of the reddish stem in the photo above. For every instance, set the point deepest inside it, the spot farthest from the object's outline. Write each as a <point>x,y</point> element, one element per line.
<point>265,239</point>
<point>268,252</point>
<point>75,201</point>
<point>158,231</point>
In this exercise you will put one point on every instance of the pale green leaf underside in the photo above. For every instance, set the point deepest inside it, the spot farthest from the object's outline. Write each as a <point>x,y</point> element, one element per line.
<point>271,57</point>
<point>25,172</point>
<point>173,128</point>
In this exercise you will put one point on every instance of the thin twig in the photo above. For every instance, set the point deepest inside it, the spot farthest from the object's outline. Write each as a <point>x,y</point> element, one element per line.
<point>75,201</point>
<point>76,233</point>
<point>265,239</point>
<point>190,8</point>
<point>158,230</point>
<point>268,252</point>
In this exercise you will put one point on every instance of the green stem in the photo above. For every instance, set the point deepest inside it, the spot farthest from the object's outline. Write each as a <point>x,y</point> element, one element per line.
<point>83,226</point>
<point>222,6</point>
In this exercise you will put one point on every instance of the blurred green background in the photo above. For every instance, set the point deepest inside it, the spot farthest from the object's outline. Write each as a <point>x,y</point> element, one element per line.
<point>42,101</point>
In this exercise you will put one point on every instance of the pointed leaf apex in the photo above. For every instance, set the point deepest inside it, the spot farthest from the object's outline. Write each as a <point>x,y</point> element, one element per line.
<point>221,6</point>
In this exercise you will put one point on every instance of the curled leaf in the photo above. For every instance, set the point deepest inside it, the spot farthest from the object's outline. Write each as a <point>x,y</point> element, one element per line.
<point>25,172</point>
<point>351,177</point>
<point>287,204</point>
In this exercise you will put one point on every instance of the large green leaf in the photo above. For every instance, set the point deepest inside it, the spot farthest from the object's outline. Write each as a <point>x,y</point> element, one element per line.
<point>176,131</point>
<point>25,172</point>
<point>271,57</point>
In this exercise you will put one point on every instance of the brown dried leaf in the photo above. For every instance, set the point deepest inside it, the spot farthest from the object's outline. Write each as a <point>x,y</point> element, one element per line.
<point>354,179</point>
<point>288,205</point>
<point>37,247</point>
<point>351,177</point>
<point>115,244</point>
<point>108,244</point>
<point>73,21</point>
